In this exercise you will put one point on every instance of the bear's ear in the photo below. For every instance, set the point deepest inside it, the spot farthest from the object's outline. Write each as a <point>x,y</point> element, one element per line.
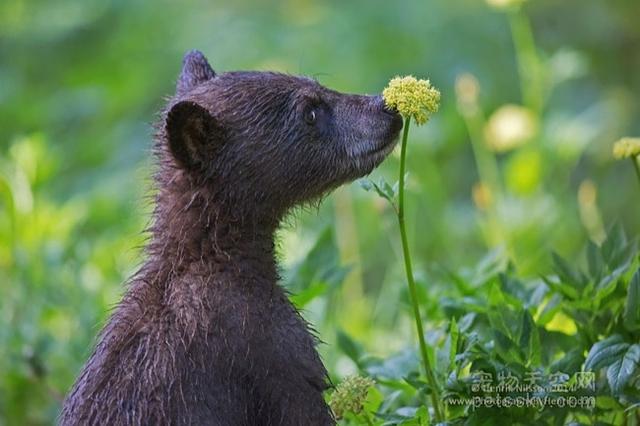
<point>192,134</point>
<point>195,70</point>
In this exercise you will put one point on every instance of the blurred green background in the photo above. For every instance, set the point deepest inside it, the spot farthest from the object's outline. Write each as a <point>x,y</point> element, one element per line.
<point>517,162</point>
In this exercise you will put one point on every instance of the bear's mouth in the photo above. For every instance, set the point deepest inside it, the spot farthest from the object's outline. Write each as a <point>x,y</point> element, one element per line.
<point>382,149</point>
<point>388,141</point>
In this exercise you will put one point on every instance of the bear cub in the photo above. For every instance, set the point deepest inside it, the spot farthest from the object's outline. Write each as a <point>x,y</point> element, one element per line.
<point>204,335</point>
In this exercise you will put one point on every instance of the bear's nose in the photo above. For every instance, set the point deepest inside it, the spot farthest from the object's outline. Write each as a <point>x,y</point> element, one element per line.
<point>378,102</point>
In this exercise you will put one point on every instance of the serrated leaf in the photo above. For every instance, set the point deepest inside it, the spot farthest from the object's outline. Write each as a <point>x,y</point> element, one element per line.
<point>614,243</point>
<point>366,184</point>
<point>606,287</point>
<point>506,347</point>
<point>605,353</point>
<point>566,290</point>
<point>617,252</point>
<point>382,188</point>
<point>568,274</point>
<point>570,363</point>
<point>631,314</point>
<point>489,267</point>
<point>388,189</point>
<point>595,262</point>
<point>529,338</point>
<point>498,321</point>
<point>620,372</point>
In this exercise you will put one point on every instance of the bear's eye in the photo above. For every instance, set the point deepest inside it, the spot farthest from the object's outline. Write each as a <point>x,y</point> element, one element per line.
<point>310,116</point>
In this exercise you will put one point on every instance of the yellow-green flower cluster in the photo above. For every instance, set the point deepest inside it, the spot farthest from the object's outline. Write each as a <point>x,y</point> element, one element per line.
<point>504,4</point>
<point>350,395</point>
<point>626,148</point>
<point>412,98</point>
<point>509,127</point>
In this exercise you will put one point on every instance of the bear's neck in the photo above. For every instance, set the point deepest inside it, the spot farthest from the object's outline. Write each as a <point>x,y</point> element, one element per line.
<point>197,232</point>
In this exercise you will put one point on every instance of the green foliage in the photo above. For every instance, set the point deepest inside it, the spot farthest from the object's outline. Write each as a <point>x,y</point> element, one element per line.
<point>80,81</point>
<point>506,338</point>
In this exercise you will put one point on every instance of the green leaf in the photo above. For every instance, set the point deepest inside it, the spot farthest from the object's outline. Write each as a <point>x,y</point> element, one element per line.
<point>466,322</point>
<point>570,363</point>
<point>489,267</point>
<point>550,309</point>
<point>506,347</point>
<point>446,354</point>
<point>631,314</point>
<point>302,298</point>
<point>496,297</point>
<point>417,383</point>
<point>614,243</point>
<point>460,283</point>
<point>621,371</point>
<point>617,252</point>
<point>530,339</point>
<point>321,265</point>
<point>382,188</point>
<point>567,274</point>
<point>566,290</point>
<point>366,184</point>
<point>605,353</point>
<point>374,400</point>
<point>607,286</point>
<point>454,335</point>
<point>396,367</point>
<point>349,347</point>
<point>499,320</point>
<point>595,261</point>
<point>456,306</point>
<point>422,416</point>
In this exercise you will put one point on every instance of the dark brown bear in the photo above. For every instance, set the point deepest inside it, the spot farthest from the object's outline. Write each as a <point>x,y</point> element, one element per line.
<point>204,335</point>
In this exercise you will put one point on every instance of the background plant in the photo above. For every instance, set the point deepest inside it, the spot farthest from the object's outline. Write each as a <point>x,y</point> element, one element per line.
<point>80,83</point>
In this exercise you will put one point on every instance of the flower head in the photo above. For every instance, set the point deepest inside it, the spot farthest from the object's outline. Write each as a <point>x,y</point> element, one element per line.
<point>504,4</point>
<point>350,395</point>
<point>626,148</point>
<point>509,127</point>
<point>467,93</point>
<point>412,98</point>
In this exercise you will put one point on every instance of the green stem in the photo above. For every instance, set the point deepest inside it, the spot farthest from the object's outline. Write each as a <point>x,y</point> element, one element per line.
<point>431,379</point>
<point>489,175</point>
<point>529,67</point>
<point>635,160</point>
<point>486,162</point>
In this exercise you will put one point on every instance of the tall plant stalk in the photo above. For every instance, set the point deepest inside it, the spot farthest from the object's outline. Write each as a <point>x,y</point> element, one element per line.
<point>529,67</point>
<point>431,378</point>
<point>636,166</point>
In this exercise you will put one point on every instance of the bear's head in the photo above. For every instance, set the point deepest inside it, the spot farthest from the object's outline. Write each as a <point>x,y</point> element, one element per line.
<point>268,141</point>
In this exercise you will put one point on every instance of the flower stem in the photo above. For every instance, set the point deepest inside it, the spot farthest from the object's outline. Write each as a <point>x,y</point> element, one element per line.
<point>636,166</point>
<point>529,67</point>
<point>489,175</point>
<point>431,379</point>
